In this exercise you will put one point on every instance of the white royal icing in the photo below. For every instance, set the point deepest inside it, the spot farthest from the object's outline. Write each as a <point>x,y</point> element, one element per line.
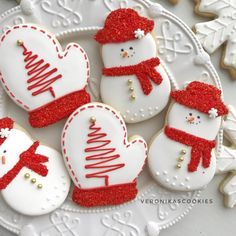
<point>216,32</point>
<point>228,188</point>
<point>226,161</point>
<point>230,125</point>
<point>72,64</point>
<point>24,196</point>
<point>202,126</point>
<point>132,151</point>
<point>164,153</point>
<point>115,90</point>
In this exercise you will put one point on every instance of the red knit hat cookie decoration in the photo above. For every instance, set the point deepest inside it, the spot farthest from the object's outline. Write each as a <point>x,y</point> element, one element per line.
<point>123,25</point>
<point>203,97</point>
<point>6,124</point>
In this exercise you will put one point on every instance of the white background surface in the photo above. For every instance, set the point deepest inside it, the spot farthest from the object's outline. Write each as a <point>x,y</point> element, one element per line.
<point>203,220</point>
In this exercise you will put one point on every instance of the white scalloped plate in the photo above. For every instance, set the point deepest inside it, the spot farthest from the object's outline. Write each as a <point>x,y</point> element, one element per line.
<point>78,20</point>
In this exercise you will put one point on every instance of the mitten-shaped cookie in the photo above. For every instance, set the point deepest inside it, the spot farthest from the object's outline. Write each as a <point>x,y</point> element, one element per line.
<point>33,179</point>
<point>182,156</point>
<point>41,78</point>
<point>102,161</point>
<point>134,80</point>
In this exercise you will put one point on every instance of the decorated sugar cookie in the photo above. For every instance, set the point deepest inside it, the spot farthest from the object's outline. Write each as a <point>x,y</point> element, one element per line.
<point>226,161</point>
<point>103,162</point>
<point>219,31</point>
<point>182,156</point>
<point>227,188</point>
<point>33,179</point>
<point>230,125</point>
<point>41,78</point>
<point>134,80</point>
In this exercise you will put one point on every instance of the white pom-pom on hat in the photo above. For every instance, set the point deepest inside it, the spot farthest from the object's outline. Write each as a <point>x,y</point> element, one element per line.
<point>213,113</point>
<point>139,34</point>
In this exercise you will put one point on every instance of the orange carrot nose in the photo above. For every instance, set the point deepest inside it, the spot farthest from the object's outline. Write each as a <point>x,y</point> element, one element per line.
<point>3,160</point>
<point>125,54</point>
<point>190,119</point>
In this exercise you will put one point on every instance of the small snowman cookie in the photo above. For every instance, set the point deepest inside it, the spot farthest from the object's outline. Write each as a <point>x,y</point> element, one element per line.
<point>182,156</point>
<point>33,179</point>
<point>134,80</point>
<point>103,163</point>
<point>40,77</point>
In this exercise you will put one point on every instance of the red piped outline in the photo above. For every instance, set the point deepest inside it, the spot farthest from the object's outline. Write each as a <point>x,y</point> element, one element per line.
<point>61,54</point>
<point>125,140</point>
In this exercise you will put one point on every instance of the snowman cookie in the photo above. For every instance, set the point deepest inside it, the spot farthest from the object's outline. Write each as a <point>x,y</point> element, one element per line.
<point>33,179</point>
<point>182,156</point>
<point>102,161</point>
<point>134,80</point>
<point>40,77</point>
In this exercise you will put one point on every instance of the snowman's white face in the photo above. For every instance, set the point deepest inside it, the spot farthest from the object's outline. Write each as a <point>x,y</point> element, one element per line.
<point>16,143</point>
<point>193,122</point>
<point>129,53</point>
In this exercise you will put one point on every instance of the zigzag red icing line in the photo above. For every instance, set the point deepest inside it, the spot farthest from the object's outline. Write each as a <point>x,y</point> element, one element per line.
<point>104,155</point>
<point>67,158</point>
<point>61,55</point>
<point>42,75</point>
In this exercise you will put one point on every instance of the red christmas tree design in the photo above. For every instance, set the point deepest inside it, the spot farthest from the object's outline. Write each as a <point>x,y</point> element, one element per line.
<point>41,76</point>
<point>102,156</point>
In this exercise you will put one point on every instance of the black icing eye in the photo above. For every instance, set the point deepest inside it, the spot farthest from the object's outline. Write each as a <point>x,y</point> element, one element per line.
<point>122,49</point>
<point>190,114</point>
<point>4,151</point>
<point>131,48</point>
<point>198,117</point>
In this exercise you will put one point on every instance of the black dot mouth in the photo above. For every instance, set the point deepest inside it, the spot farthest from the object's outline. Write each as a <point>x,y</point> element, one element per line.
<point>131,55</point>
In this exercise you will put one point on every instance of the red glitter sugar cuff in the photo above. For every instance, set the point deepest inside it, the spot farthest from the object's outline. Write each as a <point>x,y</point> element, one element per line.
<point>112,195</point>
<point>58,109</point>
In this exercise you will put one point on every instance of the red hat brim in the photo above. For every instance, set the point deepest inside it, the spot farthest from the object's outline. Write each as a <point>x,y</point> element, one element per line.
<point>120,26</point>
<point>202,97</point>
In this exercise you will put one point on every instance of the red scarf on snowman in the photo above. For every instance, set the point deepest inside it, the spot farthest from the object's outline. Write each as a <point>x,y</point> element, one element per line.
<point>145,72</point>
<point>28,158</point>
<point>201,148</point>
